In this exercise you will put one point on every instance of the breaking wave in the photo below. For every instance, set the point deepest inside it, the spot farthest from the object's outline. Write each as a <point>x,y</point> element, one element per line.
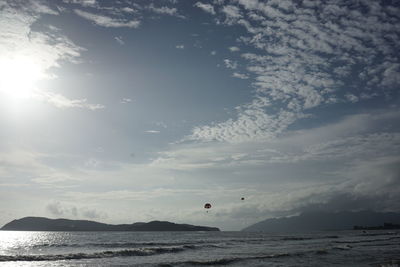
<point>97,255</point>
<point>226,261</point>
<point>368,240</point>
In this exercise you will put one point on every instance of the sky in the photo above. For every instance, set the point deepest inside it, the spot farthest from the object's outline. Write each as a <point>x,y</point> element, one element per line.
<point>126,111</point>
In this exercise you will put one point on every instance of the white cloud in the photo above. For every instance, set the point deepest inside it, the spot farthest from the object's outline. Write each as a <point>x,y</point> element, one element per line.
<point>232,12</point>
<point>240,75</point>
<point>172,11</point>
<point>213,53</point>
<point>180,46</point>
<point>234,49</point>
<point>105,21</point>
<point>152,131</point>
<point>61,101</point>
<point>252,123</point>
<point>126,100</point>
<point>351,162</point>
<point>85,3</point>
<point>205,7</point>
<point>44,49</point>
<point>354,137</point>
<point>128,10</point>
<point>119,40</point>
<point>18,39</point>
<point>299,68</point>
<point>352,98</point>
<point>59,209</point>
<point>230,64</point>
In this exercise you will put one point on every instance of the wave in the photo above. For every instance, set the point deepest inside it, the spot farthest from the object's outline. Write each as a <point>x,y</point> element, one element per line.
<point>300,238</point>
<point>226,261</point>
<point>123,244</point>
<point>231,260</point>
<point>378,233</point>
<point>366,240</point>
<point>96,255</point>
<point>343,247</point>
<point>212,243</point>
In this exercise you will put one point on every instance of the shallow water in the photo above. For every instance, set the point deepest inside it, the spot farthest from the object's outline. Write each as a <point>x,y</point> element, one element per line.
<point>344,248</point>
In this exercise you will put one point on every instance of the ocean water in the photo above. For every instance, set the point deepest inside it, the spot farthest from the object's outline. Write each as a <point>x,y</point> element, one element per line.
<point>344,248</point>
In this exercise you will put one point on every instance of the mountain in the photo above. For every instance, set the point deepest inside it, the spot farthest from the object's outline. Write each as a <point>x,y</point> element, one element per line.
<point>45,224</point>
<point>315,221</point>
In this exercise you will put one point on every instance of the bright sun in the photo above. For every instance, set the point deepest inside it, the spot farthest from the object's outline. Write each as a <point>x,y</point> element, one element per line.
<point>18,76</point>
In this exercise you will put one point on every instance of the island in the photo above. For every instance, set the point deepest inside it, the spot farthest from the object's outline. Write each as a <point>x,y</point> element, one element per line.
<point>46,224</point>
<point>324,220</point>
<point>385,226</point>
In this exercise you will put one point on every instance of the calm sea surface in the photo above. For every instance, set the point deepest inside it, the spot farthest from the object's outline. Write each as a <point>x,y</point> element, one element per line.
<point>344,248</point>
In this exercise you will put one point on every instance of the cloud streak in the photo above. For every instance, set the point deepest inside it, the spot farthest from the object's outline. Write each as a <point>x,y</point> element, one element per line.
<point>165,10</point>
<point>205,7</point>
<point>106,21</point>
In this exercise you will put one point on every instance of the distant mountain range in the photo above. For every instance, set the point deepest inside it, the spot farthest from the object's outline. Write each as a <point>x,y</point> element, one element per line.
<point>316,221</point>
<point>46,224</point>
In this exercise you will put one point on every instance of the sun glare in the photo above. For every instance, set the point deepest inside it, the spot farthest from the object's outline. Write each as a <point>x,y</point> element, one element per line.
<point>18,77</point>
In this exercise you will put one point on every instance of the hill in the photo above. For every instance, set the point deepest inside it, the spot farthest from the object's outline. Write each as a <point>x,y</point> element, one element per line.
<point>46,224</point>
<point>317,221</point>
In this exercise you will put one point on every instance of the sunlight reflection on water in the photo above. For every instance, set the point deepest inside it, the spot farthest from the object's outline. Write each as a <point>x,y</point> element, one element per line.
<point>28,242</point>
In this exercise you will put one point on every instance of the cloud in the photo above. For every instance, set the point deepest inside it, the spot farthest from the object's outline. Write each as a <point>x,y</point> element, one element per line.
<point>213,53</point>
<point>119,40</point>
<point>126,100</point>
<point>234,49</point>
<point>181,46</point>
<point>253,123</point>
<point>205,7</point>
<point>18,38</point>
<point>105,21</point>
<point>350,164</point>
<point>130,195</point>
<point>240,75</point>
<point>85,3</point>
<point>230,64</point>
<point>45,49</point>
<point>12,185</point>
<point>61,101</point>
<point>232,12</point>
<point>303,67</point>
<point>55,209</point>
<point>164,10</point>
<point>152,131</point>
<point>58,209</point>
<point>352,98</point>
<point>128,10</point>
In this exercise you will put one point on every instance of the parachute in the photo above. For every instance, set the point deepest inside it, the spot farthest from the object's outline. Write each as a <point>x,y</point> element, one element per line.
<point>207,206</point>
<point>242,198</point>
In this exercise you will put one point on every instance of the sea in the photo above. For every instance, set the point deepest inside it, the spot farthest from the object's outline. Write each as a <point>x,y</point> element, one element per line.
<point>328,248</point>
